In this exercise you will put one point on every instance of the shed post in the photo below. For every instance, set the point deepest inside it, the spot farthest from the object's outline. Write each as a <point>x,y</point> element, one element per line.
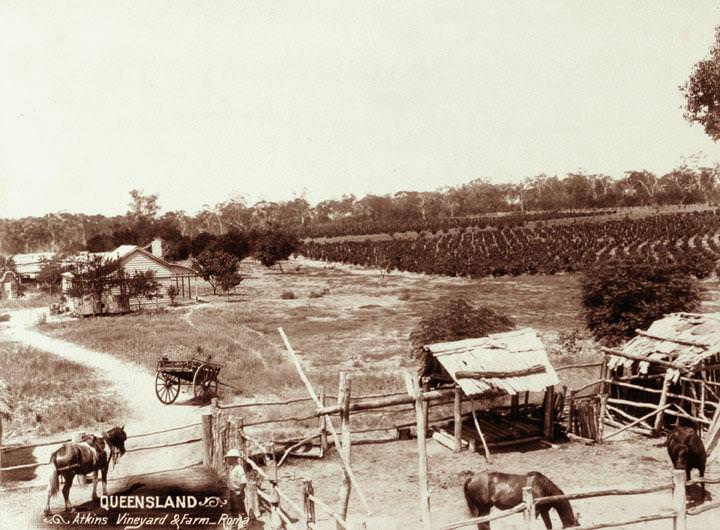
<point>679,500</point>
<point>457,415</point>
<point>663,399</point>
<point>515,405</point>
<point>548,418</point>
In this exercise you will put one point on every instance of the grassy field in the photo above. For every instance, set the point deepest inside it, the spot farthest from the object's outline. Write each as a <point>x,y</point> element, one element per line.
<point>31,298</point>
<point>52,395</point>
<point>337,319</point>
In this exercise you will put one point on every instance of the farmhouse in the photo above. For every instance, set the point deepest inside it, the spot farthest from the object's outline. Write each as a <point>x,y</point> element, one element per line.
<point>491,368</point>
<point>132,259</point>
<point>669,373</point>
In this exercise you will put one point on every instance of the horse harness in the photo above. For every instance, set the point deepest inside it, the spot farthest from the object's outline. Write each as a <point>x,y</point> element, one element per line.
<point>96,444</point>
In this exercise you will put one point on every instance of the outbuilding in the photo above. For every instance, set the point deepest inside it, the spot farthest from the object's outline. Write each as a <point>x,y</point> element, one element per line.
<point>511,378</point>
<point>669,373</point>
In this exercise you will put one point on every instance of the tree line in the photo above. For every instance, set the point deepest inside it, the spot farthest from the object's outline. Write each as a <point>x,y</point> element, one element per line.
<point>686,184</point>
<point>541,196</point>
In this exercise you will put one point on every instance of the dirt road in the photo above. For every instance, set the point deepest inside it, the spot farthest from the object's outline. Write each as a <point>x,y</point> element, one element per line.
<point>136,386</point>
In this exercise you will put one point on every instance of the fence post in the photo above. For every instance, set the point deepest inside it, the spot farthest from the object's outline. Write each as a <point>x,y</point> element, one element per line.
<point>1,436</point>
<point>529,513</point>
<point>344,390</point>
<point>241,438</point>
<point>218,445</point>
<point>457,414</point>
<point>413,389</point>
<point>323,425</point>
<point>207,438</point>
<point>309,504</point>
<point>679,499</point>
<point>425,386</point>
<point>601,418</point>
<point>274,474</point>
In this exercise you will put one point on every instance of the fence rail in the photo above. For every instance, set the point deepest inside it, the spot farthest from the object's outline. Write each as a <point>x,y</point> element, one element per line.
<point>678,513</point>
<point>10,448</point>
<point>131,450</point>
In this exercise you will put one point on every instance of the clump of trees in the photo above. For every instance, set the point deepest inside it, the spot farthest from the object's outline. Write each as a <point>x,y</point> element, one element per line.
<point>218,268</point>
<point>50,276</point>
<point>619,298</point>
<point>702,92</point>
<point>271,247</point>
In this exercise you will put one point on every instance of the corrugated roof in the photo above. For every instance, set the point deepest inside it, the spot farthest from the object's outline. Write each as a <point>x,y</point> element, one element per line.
<point>500,352</point>
<point>684,338</point>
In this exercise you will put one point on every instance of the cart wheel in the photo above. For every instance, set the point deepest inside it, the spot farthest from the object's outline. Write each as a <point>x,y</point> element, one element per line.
<point>167,387</point>
<point>204,383</point>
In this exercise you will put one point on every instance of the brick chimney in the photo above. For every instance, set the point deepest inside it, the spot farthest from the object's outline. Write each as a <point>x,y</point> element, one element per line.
<point>156,248</point>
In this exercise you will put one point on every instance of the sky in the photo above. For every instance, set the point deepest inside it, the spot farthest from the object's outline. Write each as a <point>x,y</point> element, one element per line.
<point>201,101</point>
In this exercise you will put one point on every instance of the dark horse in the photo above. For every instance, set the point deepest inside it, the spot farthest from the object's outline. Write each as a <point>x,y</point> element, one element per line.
<point>504,491</point>
<point>687,451</point>
<point>90,455</point>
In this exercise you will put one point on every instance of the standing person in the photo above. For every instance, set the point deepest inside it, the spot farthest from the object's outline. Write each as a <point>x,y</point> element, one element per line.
<point>236,481</point>
<point>251,493</point>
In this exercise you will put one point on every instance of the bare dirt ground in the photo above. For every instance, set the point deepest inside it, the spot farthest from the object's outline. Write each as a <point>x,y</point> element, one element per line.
<point>361,325</point>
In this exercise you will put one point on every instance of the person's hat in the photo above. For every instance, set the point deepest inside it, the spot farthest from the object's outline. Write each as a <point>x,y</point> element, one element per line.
<point>232,453</point>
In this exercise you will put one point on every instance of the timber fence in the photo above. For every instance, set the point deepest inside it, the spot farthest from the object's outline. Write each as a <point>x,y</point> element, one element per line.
<point>130,449</point>
<point>222,428</point>
<point>678,512</point>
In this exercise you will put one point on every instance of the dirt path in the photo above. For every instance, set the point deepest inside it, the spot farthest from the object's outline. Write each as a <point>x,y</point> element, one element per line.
<point>144,413</point>
<point>132,382</point>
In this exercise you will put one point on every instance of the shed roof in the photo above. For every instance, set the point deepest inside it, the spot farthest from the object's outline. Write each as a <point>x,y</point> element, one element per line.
<point>500,352</point>
<point>683,338</point>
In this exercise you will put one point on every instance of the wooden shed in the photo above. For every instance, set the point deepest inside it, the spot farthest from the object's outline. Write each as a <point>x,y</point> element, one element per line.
<point>669,373</point>
<point>498,370</point>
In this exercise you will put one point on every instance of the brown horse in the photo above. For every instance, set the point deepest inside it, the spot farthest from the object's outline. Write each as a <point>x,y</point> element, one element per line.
<point>504,491</point>
<point>90,455</point>
<point>687,452</point>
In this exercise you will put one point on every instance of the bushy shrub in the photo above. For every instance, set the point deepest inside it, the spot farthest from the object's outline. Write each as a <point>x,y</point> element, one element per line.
<point>619,298</point>
<point>319,294</point>
<point>455,319</point>
<point>288,295</point>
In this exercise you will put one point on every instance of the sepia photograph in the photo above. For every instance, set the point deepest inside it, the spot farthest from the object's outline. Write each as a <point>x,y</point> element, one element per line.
<point>359,265</point>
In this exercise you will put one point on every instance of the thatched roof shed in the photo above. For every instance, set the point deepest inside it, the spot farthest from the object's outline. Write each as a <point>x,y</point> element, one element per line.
<point>673,367</point>
<point>679,342</point>
<point>501,363</point>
